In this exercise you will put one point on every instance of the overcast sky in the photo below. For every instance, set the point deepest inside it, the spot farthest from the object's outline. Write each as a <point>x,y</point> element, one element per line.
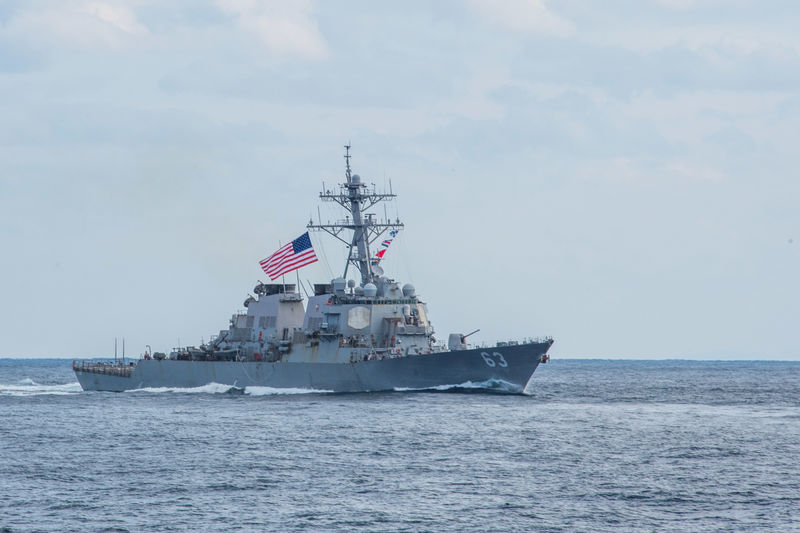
<point>621,175</point>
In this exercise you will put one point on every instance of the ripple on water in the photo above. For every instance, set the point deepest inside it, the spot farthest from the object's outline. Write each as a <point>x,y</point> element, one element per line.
<point>596,447</point>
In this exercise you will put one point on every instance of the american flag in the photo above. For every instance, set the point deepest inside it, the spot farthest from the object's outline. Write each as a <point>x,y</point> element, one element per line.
<point>291,256</point>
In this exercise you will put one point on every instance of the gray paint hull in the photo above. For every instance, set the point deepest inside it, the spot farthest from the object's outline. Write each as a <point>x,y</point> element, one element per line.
<point>511,366</point>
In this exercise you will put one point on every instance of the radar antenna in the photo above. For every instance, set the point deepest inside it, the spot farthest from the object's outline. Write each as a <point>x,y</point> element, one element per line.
<point>356,198</point>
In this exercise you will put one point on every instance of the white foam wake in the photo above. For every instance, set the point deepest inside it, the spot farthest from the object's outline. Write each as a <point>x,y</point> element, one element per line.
<point>221,388</point>
<point>267,391</point>
<point>28,387</point>
<point>210,388</point>
<point>491,385</point>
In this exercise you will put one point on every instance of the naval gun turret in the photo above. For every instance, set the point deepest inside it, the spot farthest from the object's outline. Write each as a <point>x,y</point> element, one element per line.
<point>458,341</point>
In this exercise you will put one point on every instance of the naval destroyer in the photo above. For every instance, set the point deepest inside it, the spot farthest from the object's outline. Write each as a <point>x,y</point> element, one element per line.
<point>365,333</point>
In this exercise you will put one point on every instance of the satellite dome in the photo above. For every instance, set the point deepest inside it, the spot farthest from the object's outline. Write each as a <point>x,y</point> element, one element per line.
<point>360,291</point>
<point>351,283</point>
<point>370,290</point>
<point>356,178</point>
<point>409,291</point>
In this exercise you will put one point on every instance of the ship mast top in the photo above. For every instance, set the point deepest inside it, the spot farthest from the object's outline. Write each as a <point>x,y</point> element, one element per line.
<point>347,161</point>
<point>356,198</point>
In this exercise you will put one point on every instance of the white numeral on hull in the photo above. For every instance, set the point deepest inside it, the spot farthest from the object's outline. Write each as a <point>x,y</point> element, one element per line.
<point>496,359</point>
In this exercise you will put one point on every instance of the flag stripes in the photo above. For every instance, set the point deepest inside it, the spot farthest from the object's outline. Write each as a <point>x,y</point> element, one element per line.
<point>289,257</point>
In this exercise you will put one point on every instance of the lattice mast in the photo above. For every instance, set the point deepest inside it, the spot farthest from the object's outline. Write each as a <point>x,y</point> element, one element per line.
<point>356,198</point>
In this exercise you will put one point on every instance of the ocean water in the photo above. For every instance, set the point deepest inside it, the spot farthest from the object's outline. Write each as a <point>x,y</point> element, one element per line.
<point>597,446</point>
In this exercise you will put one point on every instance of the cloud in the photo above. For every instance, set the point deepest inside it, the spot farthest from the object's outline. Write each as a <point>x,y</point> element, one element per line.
<point>279,28</point>
<point>80,24</point>
<point>117,15</point>
<point>649,142</point>
<point>626,170</point>
<point>285,28</point>
<point>690,4</point>
<point>524,16</point>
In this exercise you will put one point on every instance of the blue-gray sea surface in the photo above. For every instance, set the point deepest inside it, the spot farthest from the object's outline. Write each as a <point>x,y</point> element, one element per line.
<point>598,446</point>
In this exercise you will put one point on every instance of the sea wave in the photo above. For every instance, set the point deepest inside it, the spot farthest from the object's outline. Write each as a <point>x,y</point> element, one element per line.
<point>28,387</point>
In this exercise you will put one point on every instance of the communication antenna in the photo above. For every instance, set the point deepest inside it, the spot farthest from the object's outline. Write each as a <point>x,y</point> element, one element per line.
<point>347,160</point>
<point>356,199</point>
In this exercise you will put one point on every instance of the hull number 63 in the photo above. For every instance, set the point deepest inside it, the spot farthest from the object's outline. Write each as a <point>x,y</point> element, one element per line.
<point>496,359</point>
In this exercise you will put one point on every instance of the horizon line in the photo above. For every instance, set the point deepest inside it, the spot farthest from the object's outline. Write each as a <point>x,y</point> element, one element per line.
<point>570,357</point>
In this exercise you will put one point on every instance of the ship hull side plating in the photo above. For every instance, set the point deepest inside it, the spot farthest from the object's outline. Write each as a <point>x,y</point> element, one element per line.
<point>510,366</point>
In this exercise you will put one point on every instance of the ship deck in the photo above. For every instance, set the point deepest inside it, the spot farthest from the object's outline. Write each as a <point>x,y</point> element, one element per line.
<point>111,369</point>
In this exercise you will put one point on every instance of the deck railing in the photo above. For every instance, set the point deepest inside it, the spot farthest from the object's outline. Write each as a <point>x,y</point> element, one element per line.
<point>112,369</point>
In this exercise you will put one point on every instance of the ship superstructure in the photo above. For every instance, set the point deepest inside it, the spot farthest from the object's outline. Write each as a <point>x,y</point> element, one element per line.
<point>363,331</point>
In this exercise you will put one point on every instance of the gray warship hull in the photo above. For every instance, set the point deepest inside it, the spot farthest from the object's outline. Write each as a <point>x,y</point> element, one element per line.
<point>363,331</point>
<point>504,368</point>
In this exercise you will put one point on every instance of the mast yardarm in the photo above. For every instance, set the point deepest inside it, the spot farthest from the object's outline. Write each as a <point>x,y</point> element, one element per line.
<point>357,198</point>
